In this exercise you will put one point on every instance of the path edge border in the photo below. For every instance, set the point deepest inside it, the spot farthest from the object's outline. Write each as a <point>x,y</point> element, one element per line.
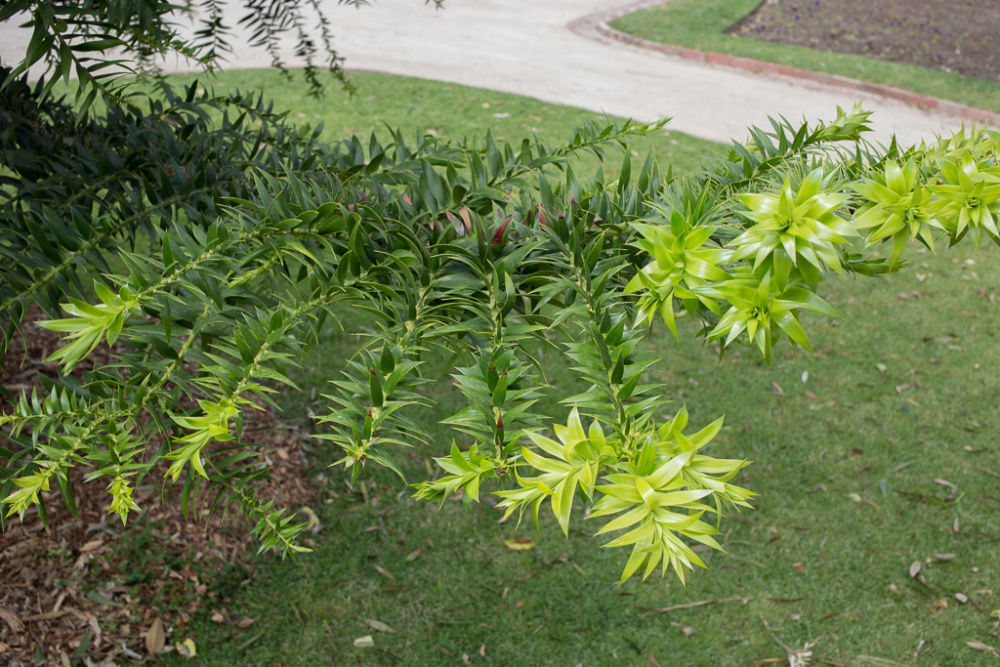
<point>599,22</point>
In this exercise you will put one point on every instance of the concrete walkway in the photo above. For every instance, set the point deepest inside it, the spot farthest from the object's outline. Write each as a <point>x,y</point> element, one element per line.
<point>525,47</point>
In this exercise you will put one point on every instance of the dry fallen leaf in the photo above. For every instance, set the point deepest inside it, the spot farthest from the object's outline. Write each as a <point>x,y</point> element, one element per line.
<point>364,641</point>
<point>385,573</point>
<point>776,388</point>
<point>187,648</point>
<point>962,597</point>
<point>12,620</point>
<point>414,555</point>
<point>944,482</point>
<point>244,623</point>
<point>218,618</point>
<point>155,638</point>
<point>95,627</point>
<point>378,625</point>
<point>981,647</point>
<point>519,543</point>
<point>465,659</point>
<point>482,651</point>
<point>915,567</point>
<point>92,546</point>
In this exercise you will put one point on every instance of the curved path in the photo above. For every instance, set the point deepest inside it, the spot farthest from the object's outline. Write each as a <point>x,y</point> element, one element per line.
<point>527,47</point>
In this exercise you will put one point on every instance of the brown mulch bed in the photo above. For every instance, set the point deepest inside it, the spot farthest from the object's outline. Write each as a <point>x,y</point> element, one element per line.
<point>88,588</point>
<point>959,36</point>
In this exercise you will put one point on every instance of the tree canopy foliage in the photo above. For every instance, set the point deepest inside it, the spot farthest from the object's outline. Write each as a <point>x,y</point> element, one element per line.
<point>209,254</point>
<point>96,42</point>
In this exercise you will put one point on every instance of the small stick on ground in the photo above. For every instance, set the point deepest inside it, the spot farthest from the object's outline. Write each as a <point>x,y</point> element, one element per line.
<point>988,472</point>
<point>689,605</point>
<point>884,662</point>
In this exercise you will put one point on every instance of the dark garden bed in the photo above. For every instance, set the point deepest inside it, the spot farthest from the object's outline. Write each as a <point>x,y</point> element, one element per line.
<point>960,36</point>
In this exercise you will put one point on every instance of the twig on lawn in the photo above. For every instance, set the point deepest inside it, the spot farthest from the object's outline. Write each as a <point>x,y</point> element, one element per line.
<point>748,561</point>
<point>880,661</point>
<point>988,472</point>
<point>689,605</point>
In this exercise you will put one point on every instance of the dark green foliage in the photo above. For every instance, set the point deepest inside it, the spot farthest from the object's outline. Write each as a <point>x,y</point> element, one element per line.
<point>74,39</point>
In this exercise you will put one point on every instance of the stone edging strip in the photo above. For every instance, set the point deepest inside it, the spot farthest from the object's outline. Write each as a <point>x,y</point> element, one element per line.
<point>599,23</point>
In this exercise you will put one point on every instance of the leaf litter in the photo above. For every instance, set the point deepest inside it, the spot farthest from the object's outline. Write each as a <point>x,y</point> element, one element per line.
<point>60,586</point>
<point>379,625</point>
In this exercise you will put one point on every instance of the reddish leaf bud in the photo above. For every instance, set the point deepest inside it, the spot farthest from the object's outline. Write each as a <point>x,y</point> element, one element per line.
<point>498,235</point>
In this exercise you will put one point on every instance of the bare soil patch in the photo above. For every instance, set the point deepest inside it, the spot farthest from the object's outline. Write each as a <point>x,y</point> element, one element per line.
<point>960,36</point>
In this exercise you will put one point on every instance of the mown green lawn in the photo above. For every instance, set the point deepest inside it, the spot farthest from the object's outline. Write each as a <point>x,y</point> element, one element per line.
<point>444,110</point>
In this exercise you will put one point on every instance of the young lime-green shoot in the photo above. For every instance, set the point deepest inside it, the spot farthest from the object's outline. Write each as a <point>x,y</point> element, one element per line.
<point>794,228</point>
<point>897,206</point>
<point>684,265</point>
